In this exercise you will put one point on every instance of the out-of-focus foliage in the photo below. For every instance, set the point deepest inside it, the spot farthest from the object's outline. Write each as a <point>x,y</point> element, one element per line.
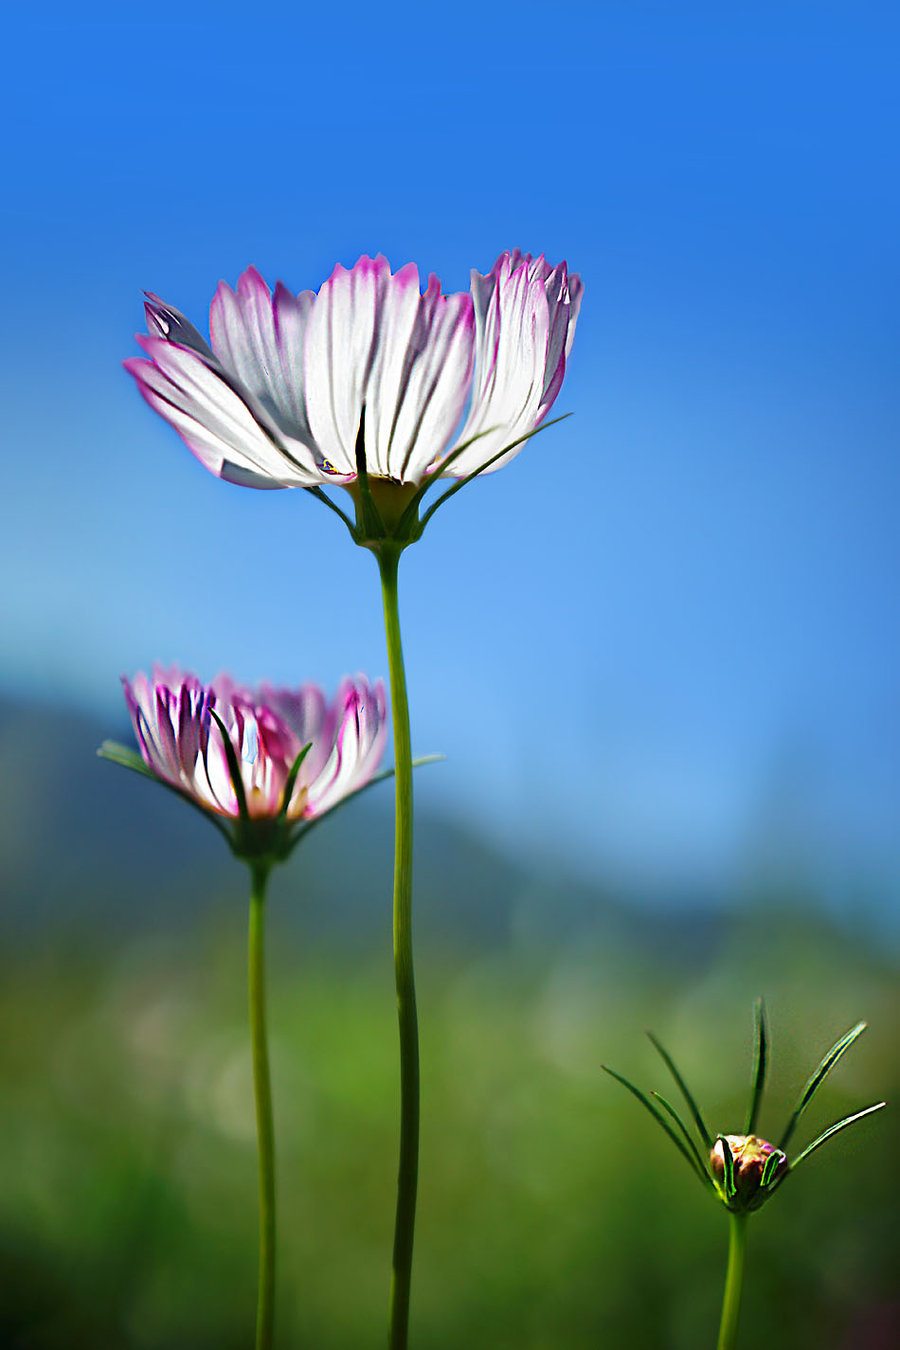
<point>552,1212</point>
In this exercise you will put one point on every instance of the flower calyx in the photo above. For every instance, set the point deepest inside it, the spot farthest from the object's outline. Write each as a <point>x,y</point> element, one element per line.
<point>387,510</point>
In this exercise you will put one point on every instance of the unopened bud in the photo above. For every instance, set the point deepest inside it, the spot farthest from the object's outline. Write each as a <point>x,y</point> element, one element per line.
<point>746,1169</point>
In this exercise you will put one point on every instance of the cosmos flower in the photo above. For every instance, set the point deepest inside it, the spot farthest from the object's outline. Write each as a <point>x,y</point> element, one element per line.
<point>290,389</point>
<point>257,757</point>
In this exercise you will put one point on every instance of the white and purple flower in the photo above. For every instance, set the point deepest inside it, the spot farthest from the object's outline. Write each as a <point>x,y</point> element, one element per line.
<point>234,751</point>
<point>444,383</point>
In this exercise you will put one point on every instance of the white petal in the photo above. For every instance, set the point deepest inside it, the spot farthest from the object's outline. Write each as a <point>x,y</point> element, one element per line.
<point>373,340</point>
<point>220,427</point>
<point>259,339</point>
<point>340,335</point>
<point>512,331</point>
<point>419,393</point>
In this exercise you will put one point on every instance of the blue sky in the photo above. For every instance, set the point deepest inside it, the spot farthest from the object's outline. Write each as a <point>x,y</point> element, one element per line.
<point>664,640</point>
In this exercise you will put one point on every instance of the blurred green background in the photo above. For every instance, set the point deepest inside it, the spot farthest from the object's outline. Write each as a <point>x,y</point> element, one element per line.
<point>553,1213</point>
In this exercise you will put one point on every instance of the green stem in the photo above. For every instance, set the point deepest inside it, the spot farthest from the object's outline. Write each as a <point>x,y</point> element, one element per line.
<point>262,1088</point>
<point>734,1280</point>
<point>407,1173</point>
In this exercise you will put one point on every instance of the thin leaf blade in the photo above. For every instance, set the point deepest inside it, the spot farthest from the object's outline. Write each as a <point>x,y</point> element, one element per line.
<point>824,1067</point>
<point>761,1058</point>
<point>834,1129</point>
<point>685,1092</point>
<point>657,1116</point>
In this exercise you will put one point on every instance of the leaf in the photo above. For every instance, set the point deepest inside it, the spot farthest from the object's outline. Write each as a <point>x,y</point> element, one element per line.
<point>130,759</point>
<point>760,1065</point>
<point>486,465</point>
<point>127,758</point>
<point>692,1105</point>
<point>833,1129</point>
<point>234,769</point>
<point>659,1118</point>
<point>304,826</point>
<point>834,1054</point>
<point>333,506</point>
<point>684,1130</point>
<point>292,779</point>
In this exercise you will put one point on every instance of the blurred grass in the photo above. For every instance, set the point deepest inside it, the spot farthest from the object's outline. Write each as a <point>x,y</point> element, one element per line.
<point>552,1212</point>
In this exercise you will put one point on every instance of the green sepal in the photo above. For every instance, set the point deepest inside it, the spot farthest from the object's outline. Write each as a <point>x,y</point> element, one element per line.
<point>291,780</point>
<point>130,759</point>
<point>370,529</point>
<point>409,524</point>
<point>303,827</point>
<point>728,1159</point>
<point>826,1064</point>
<point>770,1167</point>
<point>333,506</point>
<point>659,1118</point>
<point>833,1129</point>
<point>370,526</point>
<point>457,487</point>
<point>234,768</point>
<point>761,1058</point>
<point>691,1104</point>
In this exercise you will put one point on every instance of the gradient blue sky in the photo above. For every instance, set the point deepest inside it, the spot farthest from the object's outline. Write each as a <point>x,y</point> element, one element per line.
<point>665,638</point>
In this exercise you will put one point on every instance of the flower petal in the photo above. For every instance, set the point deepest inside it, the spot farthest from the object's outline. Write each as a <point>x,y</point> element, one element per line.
<point>372,340</point>
<point>231,434</point>
<point>184,745</point>
<point>525,314</point>
<point>259,338</point>
<point>360,711</point>
<point>419,384</point>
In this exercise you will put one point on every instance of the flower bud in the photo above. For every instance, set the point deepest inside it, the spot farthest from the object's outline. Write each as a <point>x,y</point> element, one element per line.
<point>746,1169</point>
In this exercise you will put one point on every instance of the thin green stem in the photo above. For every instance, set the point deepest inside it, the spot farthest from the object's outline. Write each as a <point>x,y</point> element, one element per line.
<point>407,1173</point>
<point>262,1088</point>
<point>734,1280</point>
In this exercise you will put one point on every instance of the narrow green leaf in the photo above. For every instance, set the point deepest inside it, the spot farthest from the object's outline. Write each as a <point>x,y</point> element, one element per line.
<point>292,779</point>
<point>457,487</point>
<point>130,759</point>
<point>332,506</point>
<point>406,520</point>
<point>234,768</point>
<point>304,826</point>
<point>703,1169</point>
<point>127,758</point>
<point>373,525</point>
<point>657,1116</point>
<point>691,1104</point>
<point>834,1054</point>
<point>833,1129</point>
<point>761,1058</point>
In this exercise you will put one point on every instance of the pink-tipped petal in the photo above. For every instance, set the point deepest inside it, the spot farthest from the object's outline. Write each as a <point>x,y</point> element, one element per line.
<point>278,398</point>
<point>183,743</point>
<point>259,339</point>
<point>164,321</point>
<point>525,312</point>
<point>372,340</point>
<point>223,429</point>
